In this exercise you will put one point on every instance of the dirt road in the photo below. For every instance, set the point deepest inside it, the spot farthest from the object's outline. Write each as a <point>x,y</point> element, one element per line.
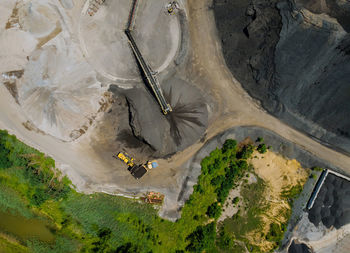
<point>236,106</point>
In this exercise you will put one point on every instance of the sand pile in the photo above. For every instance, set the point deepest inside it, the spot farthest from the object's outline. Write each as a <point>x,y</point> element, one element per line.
<point>332,205</point>
<point>280,174</point>
<point>156,33</point>
<point>58,90</point>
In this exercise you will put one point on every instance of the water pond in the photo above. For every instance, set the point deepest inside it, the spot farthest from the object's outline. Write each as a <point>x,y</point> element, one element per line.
<point>24,228</point>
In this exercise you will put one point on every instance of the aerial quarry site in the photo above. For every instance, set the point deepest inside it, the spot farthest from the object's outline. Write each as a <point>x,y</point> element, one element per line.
<point>175,126</point>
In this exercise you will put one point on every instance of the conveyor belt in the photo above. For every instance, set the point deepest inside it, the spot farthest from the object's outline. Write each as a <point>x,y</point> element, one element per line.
<point>153,82</point>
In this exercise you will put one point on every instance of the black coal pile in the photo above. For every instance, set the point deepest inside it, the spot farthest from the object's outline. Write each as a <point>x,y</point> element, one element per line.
<point>294,56</point>
<point>298,248</point>
<point>332,205</point>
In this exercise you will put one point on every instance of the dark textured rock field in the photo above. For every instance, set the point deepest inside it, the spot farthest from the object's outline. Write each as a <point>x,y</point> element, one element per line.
<point>294,56</point>
<point>332,205</point>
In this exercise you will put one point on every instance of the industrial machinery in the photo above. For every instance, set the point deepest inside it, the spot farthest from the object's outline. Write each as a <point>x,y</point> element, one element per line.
<point>136,170</point>
<point>126,159</point>
<point>171,7</point>
<point>151,78</point>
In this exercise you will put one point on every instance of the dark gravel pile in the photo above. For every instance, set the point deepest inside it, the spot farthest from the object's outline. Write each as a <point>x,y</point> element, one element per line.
<point>299,71</point>
<point>298,248</point>
<point>167,134</point>
<point>332,205</point>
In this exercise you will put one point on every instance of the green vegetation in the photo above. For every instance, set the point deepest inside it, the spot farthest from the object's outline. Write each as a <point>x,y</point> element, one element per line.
<point>11,247</point>
<point>249,220</point>
<point>317,169</point>
<point>292,193</point>
<point>214,211</point>
<point>32,187</point>
<point>276,233</point>
<point>260,139</point>
<point>235,201</point>
<point>202,238</point>
<point>262,148</point>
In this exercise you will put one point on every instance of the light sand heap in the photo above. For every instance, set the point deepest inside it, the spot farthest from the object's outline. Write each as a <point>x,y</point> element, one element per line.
<point>280,174</point>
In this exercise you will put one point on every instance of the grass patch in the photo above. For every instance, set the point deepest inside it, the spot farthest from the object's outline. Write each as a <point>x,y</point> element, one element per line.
<point>31,186</point>
<point>248,219</point>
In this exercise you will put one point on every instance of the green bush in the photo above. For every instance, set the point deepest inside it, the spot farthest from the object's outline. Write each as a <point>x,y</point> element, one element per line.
<point>235,201</point>
<point>262,148</point>
<point>214,211</point>
<point>202,238</point>
<point>260,139</point>
<point>229,145</point>
<point>276,233</point>
<point>246,152</point>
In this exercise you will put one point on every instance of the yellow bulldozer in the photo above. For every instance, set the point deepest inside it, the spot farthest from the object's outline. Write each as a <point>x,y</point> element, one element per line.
<point>136,170</point>
<point>126,159</point>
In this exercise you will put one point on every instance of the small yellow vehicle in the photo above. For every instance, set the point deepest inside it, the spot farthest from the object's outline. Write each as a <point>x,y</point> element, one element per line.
<point>137,170</point>
<point>126,159</point>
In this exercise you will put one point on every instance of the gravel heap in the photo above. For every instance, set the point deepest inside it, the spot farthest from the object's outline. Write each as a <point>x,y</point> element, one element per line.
<point>167,134</point>
<point>292,55</point>
<point>298,248</point>
<point>332,205</point>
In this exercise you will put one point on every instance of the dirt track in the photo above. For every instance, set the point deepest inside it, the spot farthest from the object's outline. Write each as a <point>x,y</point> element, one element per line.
<point>236,107</point>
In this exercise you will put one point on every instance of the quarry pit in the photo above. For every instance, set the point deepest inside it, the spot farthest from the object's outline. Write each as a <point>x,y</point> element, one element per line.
<point>79,96</point>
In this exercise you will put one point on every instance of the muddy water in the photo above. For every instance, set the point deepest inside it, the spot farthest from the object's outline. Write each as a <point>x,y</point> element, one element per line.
<point>24,228</point>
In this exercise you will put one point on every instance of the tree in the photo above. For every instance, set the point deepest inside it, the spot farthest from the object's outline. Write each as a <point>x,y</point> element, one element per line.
<point>262,148</point>
<point>229,145</point>
<point>202,238</point>
<point>235,200</point>
<point>127,248</point>
<point>246,152</point>
<point>216,181</point>
<point>214,210</point>
<point>260,139</point>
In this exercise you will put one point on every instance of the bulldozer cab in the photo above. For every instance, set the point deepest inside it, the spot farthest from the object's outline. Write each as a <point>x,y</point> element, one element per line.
<point>126,159</point>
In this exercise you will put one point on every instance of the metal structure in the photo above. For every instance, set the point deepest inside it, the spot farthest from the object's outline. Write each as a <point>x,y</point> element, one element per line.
<point>171,7</point>
<point>148,73</point>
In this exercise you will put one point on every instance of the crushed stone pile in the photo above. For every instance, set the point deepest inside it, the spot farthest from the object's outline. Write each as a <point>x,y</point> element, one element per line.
<point>332,205</point>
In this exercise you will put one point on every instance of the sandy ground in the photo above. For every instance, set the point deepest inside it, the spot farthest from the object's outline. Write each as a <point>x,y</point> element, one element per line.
<point>206,68</point>
<point>279,174</point>
<point>230,209</point>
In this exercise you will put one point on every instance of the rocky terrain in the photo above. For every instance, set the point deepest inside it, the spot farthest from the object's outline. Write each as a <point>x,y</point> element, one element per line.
<point>298,248</point>
<point>326,226</point>
<point>293,56</point>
